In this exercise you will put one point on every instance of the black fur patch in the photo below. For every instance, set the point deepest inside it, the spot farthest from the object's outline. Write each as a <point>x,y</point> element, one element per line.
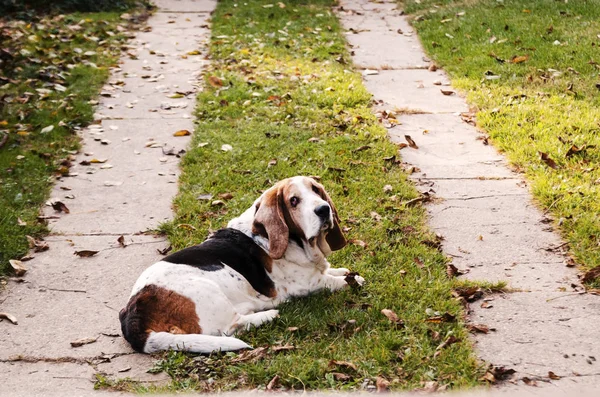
<point>234,249</point>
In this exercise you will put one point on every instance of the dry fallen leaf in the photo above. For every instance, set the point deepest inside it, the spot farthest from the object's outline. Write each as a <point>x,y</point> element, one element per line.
<point>18,267</point>
<point>452,271</point>
<point>382,384</point>
<point>292,329</point>
<point>340,377</point>
<point>393,317</point>
<point>37,245</point>
<point>251,355</point>
<point>83,341</point>
<point>215,81</point>
<point>9,317</point>
<point>576,150</point>
<point>165,251</point>
<point>553,376</point>
<point>346,364</point>
<point>182,133</point>
<point>411,142</point>
<point>444,318</point>
<point>85,253</point>
<point>273,383</point>
<point>279,348</point>
<point>546,159</point>
<point>448,342</point>
<point>447,92</point>
<point>478,328</point>
<point>519,59</point>
<point>591,275</point>
<point>59,206</point>
<point>121,241</point>
<point>360,243</point>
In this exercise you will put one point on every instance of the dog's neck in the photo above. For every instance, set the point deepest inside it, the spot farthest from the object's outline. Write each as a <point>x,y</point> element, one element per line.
<point>299,253</point>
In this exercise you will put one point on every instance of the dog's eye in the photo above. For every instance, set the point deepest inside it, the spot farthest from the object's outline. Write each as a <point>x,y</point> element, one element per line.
<point>294,201</point>
<point>316,189</point>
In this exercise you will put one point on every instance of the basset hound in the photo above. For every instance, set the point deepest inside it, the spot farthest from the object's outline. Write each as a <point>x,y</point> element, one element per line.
<point>195,299</point>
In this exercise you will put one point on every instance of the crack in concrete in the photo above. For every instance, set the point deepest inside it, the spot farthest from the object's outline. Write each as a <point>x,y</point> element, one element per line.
<point>486,196</point>
<point>104,357</point>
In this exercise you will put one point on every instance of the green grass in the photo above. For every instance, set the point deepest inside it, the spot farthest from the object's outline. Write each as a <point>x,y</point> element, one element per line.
<point>280,92</point>
<point>548,103</point>
<point>40,53</point>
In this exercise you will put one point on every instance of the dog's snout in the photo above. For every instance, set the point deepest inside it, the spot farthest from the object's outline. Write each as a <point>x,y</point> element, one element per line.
<point>323,211</point>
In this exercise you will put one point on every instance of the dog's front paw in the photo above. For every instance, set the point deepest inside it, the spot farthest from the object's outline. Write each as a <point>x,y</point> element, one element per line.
<point>354,280</point>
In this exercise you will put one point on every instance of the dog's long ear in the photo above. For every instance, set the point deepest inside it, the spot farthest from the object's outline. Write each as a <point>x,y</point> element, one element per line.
<point>269,221</point>
<point>335,238</point>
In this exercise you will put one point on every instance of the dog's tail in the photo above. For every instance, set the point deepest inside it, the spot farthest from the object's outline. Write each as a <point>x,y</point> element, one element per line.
<point>194,343</point>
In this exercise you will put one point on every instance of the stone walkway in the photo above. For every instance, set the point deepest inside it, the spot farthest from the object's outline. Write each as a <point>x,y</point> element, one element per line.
<point>63,297</point>
<point>485,212</point>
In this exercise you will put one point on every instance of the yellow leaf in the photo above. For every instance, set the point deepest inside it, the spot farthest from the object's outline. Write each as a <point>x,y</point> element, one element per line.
<point>182,133</point>
<point>195,52</point>
<point>3,122</point>
<point>22,133</point>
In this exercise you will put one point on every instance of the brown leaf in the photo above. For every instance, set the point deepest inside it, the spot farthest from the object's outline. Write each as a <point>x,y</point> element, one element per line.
<point>444,318</point>
<point>59,206</point>
<point>576,150</point>
<point>546,159</point>
<point>402,145</point>
<point>471,294</point>
<point>182,133</point>
<point>486,305</point>
<point>340,377</point>
<point>18,267</point>
<point>251,355</point>
<point>448,342</point>
<point>360,243</point>
<point>393,317</point>
<point>273,383</point>
<point>410,141</point>
<point>361,148</point>
<point>85,253</point>
<point>591,275</point>
<point>226,196</point>
<point>519,59</point>
<point>553,376</point>
<point>215,81</point>
<point>83,341</point>
<point>447,92</point>
<point>346,364</point>
<point>280,348</point>
<point>478,328</point>
<point>421,199</point>
<point>452,271</point>
<point>383,385</point>
<point>9,317</point>
<point>37,245</point>
<point>529,381</point>
<point>121,241</point>
<point>165,251</point>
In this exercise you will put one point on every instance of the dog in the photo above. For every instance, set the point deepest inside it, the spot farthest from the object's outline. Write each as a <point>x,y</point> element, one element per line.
<point>195,299</point>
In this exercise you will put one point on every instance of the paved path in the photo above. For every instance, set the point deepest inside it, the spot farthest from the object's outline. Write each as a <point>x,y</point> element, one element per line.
<point>63,297</point>
<point>486,215</point>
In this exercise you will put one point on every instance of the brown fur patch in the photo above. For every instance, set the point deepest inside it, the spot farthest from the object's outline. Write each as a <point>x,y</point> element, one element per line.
<point>157,309</point>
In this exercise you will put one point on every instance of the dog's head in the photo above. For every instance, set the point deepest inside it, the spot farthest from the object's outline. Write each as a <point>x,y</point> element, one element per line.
<point>300,209</point>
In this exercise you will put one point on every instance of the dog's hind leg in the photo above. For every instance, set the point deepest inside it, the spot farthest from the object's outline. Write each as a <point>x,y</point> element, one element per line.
<point>246,321</point>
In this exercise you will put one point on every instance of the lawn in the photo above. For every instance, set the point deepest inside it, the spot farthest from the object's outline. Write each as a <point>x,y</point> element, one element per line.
<point>282,99</point>
<point>531,69</point>
<point>52,67</point>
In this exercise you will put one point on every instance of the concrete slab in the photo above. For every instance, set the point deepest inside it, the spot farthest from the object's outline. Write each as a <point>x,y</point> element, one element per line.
<point>132,196</point>
<point>64,297</point>
<point>448,147</point>
<point>415,90</point>
<point>488,220</point>
<point>539,332</point>
<point>185,6</point>
<point>367,47</point>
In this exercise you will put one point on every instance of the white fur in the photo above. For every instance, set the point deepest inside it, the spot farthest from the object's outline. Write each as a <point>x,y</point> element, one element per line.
<point>225,300</point>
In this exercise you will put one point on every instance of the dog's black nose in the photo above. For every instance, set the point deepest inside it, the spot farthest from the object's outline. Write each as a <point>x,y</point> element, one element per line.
<point>323,211</point>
